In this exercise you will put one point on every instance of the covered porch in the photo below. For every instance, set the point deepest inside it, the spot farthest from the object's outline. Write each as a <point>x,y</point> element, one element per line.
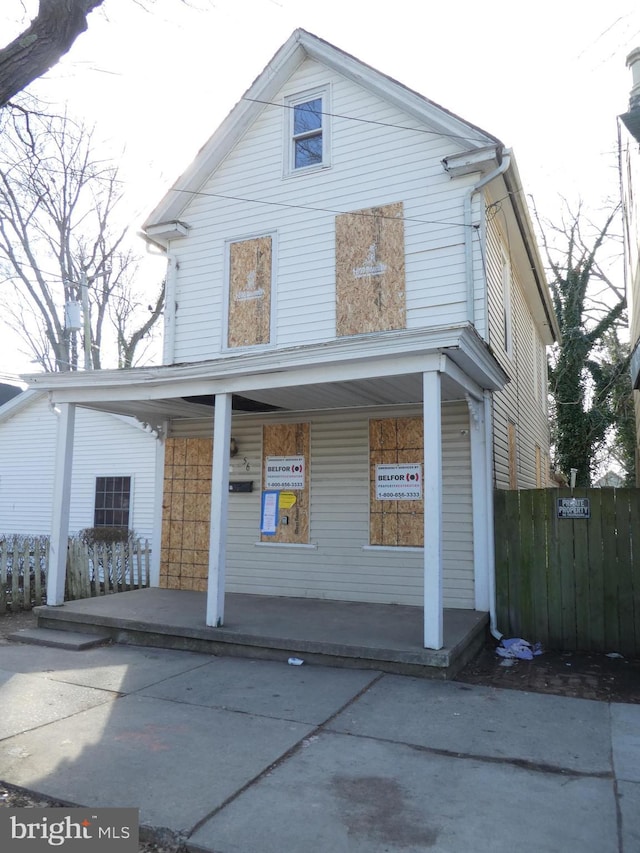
<point>384,637</point>
<point>425,371</point>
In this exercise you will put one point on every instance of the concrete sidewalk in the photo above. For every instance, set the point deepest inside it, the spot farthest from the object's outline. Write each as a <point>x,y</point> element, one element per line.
<point>241,756</point>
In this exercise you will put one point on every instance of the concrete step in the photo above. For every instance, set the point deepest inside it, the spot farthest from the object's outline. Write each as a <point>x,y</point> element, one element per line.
<point>72,640</point>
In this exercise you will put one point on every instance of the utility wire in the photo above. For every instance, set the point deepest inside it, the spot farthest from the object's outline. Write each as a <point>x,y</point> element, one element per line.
<point>374,121</point>
<point>364,214</point>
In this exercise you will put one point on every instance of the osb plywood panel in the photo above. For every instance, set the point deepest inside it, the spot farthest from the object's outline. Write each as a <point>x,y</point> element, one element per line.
<point>370,280</point>
<point>249,292</point>
<point>289,440</point>
<point>186,505</point>
<point>399,523</point>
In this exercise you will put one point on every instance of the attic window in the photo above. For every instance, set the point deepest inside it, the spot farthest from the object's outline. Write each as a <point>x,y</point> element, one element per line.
<point>307,132</point>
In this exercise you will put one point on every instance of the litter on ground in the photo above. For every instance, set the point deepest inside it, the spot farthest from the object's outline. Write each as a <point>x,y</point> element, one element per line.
<point>518,648</point>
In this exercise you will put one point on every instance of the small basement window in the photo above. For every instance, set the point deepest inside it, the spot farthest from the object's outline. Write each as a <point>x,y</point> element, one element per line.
<point>307,132</point>
<point>113,500</point>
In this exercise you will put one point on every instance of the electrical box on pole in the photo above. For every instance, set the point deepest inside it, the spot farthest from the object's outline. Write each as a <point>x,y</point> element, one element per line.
<point>73,316</point>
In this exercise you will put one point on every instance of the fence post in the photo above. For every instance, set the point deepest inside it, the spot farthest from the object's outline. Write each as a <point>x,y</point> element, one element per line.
<point>26,575</point>
<point>15,577</point>
<point>4,548</point>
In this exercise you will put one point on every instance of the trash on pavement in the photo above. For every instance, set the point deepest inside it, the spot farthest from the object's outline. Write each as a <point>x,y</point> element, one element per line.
<point>518,648</point>
<point>615,655</point>
<point>295,661</point>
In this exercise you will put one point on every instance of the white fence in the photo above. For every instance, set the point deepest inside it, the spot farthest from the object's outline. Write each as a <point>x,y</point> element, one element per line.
<point>100,568</point>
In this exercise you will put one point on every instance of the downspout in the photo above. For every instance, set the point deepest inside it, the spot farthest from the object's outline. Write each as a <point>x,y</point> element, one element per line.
<point>469,230</point>
<point>491,547</point>
<point>468,245</point>
<point>170,304</point>
<point>168,346</point>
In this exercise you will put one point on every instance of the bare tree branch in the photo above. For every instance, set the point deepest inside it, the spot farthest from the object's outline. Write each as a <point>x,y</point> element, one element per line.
<point>59,242</point>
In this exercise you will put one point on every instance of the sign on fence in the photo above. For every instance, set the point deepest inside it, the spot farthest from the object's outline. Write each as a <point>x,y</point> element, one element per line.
<point>574,508</point>
<point>570,581</point>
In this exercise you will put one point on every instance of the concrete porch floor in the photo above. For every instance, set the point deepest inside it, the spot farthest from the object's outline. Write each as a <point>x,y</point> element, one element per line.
<point>384,637</point>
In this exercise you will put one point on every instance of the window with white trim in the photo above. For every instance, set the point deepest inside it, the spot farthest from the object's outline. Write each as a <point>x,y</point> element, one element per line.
<point>506,306</point>
<point>307,132</point>
<point>113,501</point>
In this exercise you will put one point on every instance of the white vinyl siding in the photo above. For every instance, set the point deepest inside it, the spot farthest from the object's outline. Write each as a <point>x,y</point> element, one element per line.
<point>341,565</point>
<point>523,400</point>
<point>302,209</point>
<point>104,446</point>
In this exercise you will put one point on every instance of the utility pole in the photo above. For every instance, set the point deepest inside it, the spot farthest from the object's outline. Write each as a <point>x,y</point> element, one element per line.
<point>86,317</point>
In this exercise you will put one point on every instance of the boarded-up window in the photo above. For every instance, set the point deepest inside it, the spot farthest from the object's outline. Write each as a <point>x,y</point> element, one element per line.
<point>370,281</point>
<point>281,441</point>
<point>395,522</point>
<point>249,293</point>
<point>186,512</point>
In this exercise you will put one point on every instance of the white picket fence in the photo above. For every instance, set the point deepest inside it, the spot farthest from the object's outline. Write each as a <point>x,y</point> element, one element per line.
<point>101,568</point>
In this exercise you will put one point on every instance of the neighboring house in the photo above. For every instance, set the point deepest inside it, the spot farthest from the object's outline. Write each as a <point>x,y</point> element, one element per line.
<point>113,469</point>
<point>357,306</point>
<point>629,143</point>
<point>8,392</point>
<point>609,480</point>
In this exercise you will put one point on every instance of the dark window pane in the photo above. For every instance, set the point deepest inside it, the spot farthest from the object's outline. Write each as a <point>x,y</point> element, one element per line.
<point>308,151</point>
<point>113,496</point>
<point>307,116</point>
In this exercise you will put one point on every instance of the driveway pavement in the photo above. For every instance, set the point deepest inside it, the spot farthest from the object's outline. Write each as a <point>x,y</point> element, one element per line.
<point>241,756</point>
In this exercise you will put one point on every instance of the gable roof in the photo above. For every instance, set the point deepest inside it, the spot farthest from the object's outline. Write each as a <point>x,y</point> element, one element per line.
<point>303,45</point>
<point>8,392</point>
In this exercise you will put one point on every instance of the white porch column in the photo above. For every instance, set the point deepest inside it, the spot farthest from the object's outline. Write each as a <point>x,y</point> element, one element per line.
<point>158,498</point>
<point>488,499</point>
<point>219,504</point>
<point>61,500</point>
<point>481,508</point>
<point>432,483</point>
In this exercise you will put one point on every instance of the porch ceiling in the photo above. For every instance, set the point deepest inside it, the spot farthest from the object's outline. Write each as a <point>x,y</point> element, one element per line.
<point>395,390</point>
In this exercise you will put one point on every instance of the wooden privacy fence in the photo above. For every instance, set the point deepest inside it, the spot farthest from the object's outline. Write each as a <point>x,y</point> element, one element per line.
<point>93,569</point>
<point>572,584</point>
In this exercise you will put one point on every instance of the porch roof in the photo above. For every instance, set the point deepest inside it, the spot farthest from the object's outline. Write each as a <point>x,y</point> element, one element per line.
<point>381,369</point>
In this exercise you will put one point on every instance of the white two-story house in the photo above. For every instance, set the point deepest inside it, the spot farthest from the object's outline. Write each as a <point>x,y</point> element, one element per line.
<point>356,325</point>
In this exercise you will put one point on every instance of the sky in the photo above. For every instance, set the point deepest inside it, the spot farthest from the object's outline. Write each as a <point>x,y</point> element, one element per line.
<point>156,77</point>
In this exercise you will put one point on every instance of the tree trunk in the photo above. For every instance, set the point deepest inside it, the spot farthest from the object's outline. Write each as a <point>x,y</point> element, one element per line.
<point>40,46</point>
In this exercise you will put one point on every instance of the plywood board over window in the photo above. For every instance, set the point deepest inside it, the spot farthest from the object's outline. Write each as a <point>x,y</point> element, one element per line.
<point>186,512</point>
<point>289,440</point>
<point>395,522</point>
<point>249,292</point>
<point>370,276</point>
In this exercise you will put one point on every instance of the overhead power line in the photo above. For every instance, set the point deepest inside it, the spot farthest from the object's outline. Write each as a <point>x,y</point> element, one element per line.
<point>375,121</point>
<point>362,213</point>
